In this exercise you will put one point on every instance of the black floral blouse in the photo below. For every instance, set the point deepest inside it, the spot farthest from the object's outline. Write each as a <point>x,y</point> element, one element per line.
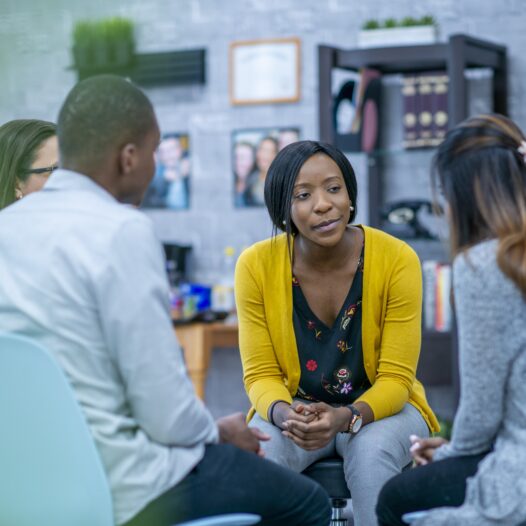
<point>331,358</point>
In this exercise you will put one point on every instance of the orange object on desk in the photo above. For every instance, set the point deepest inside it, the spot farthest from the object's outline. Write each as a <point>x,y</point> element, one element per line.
<point>197,340</point>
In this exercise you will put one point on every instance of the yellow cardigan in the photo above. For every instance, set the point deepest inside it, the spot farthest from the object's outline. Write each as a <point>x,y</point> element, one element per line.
<point>391,330</point>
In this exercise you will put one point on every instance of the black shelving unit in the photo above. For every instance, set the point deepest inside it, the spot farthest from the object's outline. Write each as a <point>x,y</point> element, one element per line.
<point>458,54</point>
<point>438,364</point>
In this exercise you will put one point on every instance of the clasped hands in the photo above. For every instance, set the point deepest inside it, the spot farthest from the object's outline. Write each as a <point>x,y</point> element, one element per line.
<point>310,426</point>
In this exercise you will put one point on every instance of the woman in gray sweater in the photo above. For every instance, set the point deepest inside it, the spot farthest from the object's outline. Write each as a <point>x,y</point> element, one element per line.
<point>479,478</point>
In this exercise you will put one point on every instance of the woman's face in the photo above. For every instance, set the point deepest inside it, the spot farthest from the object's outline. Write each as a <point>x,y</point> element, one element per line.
<point>320,201</point>
<point>265,154</point>
<point>243,160</point>
<point>46,157</point>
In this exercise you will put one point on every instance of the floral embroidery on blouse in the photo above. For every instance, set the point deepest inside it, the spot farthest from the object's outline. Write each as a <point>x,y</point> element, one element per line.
<point>342,384</point>
<point>342,346</point>
<point>311,365</point>
<point>311,325</point>
<point>348,315</point>
<point>346,388</point>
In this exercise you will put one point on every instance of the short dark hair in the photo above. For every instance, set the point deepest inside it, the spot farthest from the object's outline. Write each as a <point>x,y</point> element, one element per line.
<point>282,175</point>
<point>99,115</point>
<point>19,141</point>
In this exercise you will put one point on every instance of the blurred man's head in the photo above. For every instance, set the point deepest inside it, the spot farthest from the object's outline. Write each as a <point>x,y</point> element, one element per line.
<point>107,130</point>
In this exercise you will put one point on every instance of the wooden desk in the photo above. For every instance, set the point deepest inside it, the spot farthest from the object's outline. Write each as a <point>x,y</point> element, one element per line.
<point>197,341</point>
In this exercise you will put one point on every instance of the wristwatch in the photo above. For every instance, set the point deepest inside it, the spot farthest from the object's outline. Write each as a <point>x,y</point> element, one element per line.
<point>355,423</point>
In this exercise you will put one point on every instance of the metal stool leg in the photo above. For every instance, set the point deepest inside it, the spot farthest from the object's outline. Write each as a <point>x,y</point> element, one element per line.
<point>337,519</point>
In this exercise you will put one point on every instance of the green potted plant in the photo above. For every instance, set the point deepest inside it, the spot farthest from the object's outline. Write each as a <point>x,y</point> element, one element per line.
<point>390,23</point>
<point>103,45</point>
<point>121,42</point>
<point>371,24</point>
<point>404,32</point>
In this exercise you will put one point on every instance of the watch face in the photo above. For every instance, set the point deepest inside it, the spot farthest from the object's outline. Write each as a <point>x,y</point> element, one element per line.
<point>357,424</point>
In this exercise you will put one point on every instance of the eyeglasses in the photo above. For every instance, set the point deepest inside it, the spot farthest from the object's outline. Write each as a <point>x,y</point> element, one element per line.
<point>47,169</point>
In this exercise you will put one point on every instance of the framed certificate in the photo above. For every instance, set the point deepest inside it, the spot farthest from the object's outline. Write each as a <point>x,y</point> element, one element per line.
<point>265,71</point>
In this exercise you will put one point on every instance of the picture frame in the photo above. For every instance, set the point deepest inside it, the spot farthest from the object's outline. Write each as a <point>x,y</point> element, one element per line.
<point>253,150</point>
<point>265,71</point>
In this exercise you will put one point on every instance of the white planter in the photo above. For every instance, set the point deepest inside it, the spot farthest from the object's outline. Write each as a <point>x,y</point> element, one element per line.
<point>397,36</point>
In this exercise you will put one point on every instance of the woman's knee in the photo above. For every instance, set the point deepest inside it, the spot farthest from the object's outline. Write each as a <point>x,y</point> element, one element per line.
<point>381,451</point>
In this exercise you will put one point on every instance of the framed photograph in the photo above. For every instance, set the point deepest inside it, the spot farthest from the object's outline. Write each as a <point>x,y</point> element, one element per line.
<point>265,71</point>
<point>170,187</point>
<point>252,153</point>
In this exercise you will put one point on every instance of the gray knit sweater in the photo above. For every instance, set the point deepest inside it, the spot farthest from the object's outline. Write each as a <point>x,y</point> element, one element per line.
<point>491,317</point>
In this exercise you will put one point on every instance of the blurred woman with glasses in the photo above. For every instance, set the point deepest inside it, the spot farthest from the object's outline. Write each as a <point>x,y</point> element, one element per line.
<point>28,155</point>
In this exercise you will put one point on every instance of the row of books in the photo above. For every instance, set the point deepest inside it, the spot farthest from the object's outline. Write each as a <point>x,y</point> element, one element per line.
<point>437,313</point>
<point>425,109</point>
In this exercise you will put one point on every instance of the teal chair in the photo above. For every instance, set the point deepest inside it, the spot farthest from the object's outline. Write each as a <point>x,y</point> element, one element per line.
<point>413,516</point>
<point>231,519</point>
<point>50,471</point>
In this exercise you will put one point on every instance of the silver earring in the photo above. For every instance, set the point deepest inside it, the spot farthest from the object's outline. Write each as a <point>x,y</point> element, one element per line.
<point>351,208</point>
<point>284,223</point>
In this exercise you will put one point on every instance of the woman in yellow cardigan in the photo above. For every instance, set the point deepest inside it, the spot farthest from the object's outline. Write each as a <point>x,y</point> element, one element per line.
<point>329,328</point>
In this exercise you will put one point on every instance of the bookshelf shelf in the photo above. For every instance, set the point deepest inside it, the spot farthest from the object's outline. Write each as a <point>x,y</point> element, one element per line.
<point>436,335</point>
<point>438,361</point>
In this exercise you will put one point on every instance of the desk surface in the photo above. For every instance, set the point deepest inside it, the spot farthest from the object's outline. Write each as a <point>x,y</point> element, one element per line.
<point>198,340</point>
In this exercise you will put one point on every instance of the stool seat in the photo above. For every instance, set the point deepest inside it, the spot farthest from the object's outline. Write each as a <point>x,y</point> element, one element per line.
<point>328,473</point>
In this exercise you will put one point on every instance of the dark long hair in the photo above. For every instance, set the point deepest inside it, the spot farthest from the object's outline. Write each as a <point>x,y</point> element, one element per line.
<point>19,142</point>
<point>482,175</point>
<point>282,175</point>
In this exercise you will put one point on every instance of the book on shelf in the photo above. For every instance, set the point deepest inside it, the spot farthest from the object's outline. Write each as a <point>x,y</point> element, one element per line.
<point>439,108</point>
<point>409,103</point>
<point>437,311</point>
<point>366,76</point>
<point>356,112</point>
<point>424,97</point>
<point>425,116</point>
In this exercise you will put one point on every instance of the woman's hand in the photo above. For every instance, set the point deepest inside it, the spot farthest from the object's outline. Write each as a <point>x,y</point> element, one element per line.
<point>321,429</point>
<point>423,449</point>
<point>296,411</point>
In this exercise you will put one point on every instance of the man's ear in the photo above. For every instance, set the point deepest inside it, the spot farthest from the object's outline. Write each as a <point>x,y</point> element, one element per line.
<point>128,158</point>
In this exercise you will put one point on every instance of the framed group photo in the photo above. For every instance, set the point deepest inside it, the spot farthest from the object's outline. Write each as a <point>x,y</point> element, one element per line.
<point>170,187</point>
<point>252,154</point>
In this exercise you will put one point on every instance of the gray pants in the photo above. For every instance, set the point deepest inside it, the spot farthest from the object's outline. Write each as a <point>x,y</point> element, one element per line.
<point>378,452</point>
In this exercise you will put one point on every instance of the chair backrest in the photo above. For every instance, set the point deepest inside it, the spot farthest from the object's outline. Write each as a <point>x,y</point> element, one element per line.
<point>50,470</point>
